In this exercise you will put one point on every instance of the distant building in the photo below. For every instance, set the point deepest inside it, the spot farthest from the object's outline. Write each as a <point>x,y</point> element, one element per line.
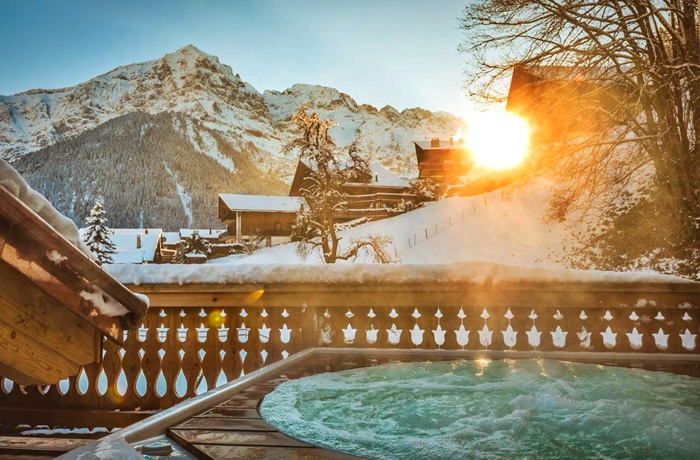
<point>137,245</point>
<point>170,240</point>
<point>444,162</point>
<point>376,196</point>
<point>558,101</point>
<point>248,216</point>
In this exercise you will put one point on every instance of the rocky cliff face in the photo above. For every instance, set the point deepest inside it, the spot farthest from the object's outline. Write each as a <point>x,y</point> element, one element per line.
<point>222,118</point>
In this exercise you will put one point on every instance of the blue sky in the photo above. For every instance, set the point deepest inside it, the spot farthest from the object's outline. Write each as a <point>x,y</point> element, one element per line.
<point>397,52</point>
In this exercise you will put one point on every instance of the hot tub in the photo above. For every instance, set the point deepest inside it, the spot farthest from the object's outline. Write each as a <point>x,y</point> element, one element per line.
<point>493,408</point>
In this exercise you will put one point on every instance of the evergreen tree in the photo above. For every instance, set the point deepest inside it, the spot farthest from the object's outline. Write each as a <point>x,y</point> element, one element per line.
<point>97,235</point>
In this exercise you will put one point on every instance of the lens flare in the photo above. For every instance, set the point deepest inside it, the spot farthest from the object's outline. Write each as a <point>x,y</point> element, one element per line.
<point>254,296</point>
<point>498,139</point>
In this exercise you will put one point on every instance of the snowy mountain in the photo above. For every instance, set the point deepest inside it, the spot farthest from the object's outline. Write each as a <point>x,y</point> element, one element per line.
<point>105,139</point>
<point>196,84</point>
<point>145,171</point>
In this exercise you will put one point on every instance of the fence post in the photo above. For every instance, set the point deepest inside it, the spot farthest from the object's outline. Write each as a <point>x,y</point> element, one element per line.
<point>426,233</point>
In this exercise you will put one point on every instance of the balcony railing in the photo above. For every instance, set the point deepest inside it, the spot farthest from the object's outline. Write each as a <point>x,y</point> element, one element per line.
<point>198,336</point>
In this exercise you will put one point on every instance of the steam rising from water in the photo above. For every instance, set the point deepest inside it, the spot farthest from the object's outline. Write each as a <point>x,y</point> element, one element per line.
<point>493,409</point>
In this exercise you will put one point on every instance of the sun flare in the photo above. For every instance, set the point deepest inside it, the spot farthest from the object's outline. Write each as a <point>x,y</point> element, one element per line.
<point>497,139</point>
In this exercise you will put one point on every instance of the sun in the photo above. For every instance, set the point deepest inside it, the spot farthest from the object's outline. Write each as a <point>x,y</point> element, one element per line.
<point>497,139</point>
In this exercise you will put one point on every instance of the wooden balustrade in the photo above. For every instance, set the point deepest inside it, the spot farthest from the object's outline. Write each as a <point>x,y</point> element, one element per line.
<point>196,337</point>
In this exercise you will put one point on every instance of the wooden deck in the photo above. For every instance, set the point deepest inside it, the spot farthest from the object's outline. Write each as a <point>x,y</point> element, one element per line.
<point>235,429</point>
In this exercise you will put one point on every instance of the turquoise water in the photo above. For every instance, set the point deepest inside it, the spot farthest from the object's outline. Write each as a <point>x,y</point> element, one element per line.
<point>535,409</point>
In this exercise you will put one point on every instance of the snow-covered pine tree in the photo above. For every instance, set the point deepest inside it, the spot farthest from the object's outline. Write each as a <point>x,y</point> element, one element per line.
<point>97,233</point>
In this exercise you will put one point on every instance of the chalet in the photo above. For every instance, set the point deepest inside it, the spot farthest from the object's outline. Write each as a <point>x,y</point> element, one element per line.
<point>137,245</point>
<point>249,216</point>
<point>376,196</point>
<point>56,302</point>
<point>444,162</point>
<point>170,239</point>
<point>558,101</point>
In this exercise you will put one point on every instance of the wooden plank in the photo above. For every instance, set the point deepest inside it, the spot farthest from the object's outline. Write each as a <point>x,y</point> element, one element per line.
<point>219,411</point>
<point>241,403</point>
<point>29,225</point>
<point>28,361</point>
<point>266,453</point>
<point>226,424</point>
<point>560,295</point>
<point>31,445</point>
<point>44,319</point>
<point>63,285</point>
<point>71,418</point>
<point>233,438</point>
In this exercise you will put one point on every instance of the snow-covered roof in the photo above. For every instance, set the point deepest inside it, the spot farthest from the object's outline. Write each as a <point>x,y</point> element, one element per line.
<point>261,203</point>
<point>125,241</point>
<point>15,184</point>
<point>381,177</point>
<point>171,237</point>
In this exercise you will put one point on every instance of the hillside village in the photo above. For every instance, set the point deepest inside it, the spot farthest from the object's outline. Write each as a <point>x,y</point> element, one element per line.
<point>266,221</point>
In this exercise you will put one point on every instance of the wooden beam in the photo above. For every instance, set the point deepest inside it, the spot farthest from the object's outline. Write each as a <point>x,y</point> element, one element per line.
<point>44,319</point>
<point>26,223</point>
<point>28,362</point>
<point>561,295</point>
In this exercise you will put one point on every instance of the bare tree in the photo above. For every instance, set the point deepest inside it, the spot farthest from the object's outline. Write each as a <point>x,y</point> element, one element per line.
<point>315,225</point>
<point>639,62</point>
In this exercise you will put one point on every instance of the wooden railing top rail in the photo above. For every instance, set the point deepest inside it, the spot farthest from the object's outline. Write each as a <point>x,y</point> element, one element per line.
<point>560,295</point>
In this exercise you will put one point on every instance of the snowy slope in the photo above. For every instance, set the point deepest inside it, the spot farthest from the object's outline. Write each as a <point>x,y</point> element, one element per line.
<point>493,228</point>
<point>196,84</point>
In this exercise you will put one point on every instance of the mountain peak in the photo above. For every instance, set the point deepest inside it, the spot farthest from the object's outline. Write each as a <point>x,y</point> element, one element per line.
<point>190,48</point>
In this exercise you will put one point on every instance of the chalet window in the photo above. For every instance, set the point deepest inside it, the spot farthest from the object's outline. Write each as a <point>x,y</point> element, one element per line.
<point>449,162</point>
<point>278,226</point>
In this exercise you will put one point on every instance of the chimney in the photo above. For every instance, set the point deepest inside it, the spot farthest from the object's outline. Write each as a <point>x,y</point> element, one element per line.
<point>376,177</point>
<point>138,241</point>
<point>435,142</point>
<point>146,231</point>
<point>452,140</point>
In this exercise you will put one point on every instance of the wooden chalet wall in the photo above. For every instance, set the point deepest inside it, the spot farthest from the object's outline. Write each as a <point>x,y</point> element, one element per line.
<point>558,102</point>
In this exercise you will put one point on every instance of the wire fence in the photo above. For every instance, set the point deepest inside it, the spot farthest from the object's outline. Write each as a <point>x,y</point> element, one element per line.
<point>431,231</point>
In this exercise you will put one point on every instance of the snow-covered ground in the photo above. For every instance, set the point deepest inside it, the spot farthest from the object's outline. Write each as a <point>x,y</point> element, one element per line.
<point>493,227</point>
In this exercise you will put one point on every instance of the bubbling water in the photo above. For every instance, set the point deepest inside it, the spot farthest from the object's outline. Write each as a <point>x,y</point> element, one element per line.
<point>492,409</point>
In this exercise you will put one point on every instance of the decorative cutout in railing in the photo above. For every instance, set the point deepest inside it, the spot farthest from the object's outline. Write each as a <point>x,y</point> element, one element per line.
<point>179,352</point>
